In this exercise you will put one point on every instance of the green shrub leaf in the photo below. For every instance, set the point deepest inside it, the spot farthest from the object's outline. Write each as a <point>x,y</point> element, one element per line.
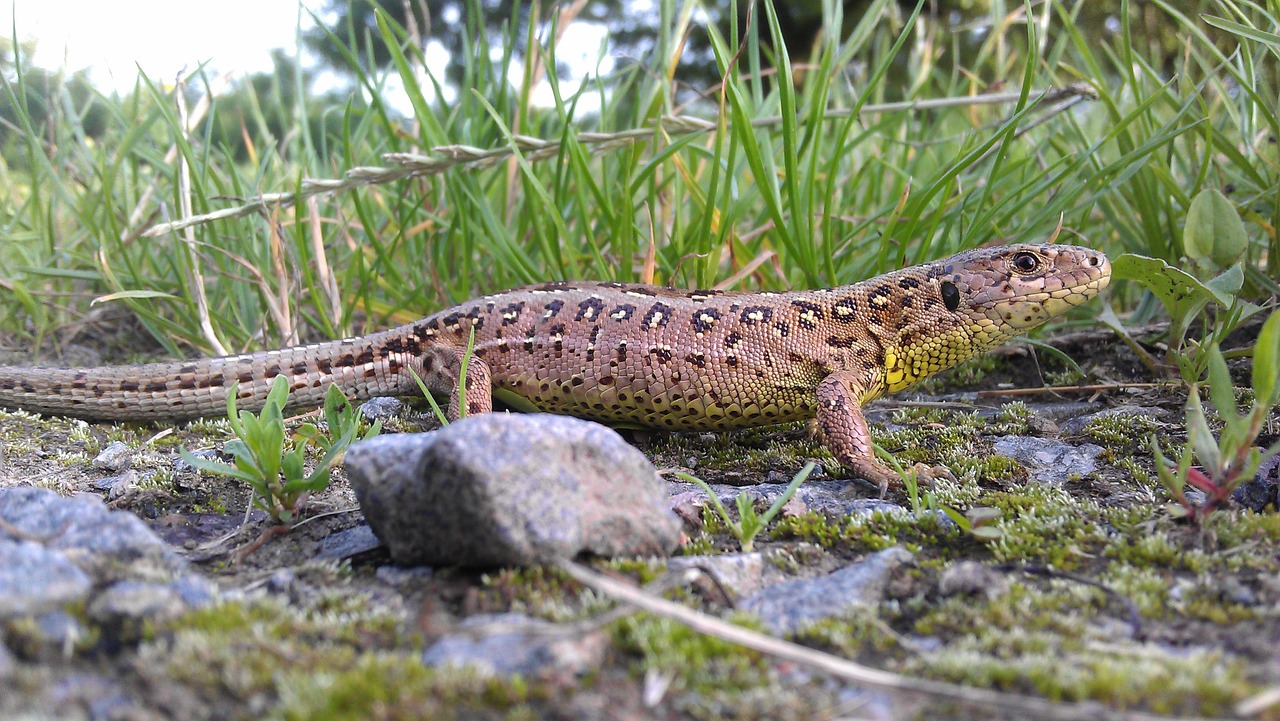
<point>1266,362</point>
<point>1214,236</point>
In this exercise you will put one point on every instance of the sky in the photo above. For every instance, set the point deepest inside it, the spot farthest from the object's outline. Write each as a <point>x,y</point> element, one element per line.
<point>114,38</point>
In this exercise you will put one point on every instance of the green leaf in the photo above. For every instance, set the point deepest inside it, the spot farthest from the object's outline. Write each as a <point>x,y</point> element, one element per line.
<point>278,397</point>
<point>1214,236</point>
<point>959,518</point>
<point>1221,392</point>
<point>291,466</point>
<point>1269,39</point>
<point>987,533</point>
<point>215,467</point>
<point>979,515</point>
<point>788,493</point>
<point>1266,362</point>
<point>233,417</point>
<point>1200,437</point>
<point>1226,285</point>
<point>1181,294</point>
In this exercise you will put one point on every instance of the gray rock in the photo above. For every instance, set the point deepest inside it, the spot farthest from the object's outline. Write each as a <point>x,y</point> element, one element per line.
<point>7,664</point>
<point>739,574</point>
<point>283,580</point>
<point>49,637</point>
<point>397,576</point>
<point>116,457</point>
<point>125,608</point>
<point>509,644</point>
<point>786,607</point>
<point>34,578</point>
<point>99,698</point>
<point>969,578</point>
<point>511,489</point>
<point>1261,491</point>
<point>348,543</point>
<point>117,486</point>
<point>102,542</point>
<point>1047,460</point>
<point>195,591</point>
<point>381,408</point>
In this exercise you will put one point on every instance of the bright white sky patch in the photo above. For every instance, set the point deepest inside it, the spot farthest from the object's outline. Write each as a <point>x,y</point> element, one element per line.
<point>113,38</point>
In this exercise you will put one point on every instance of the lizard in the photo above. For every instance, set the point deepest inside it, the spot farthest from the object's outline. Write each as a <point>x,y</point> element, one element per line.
<point>637,355</point>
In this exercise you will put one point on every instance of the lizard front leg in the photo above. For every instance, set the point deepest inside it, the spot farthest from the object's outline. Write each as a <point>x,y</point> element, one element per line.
<point>845,433</point>
<point>442,369</point>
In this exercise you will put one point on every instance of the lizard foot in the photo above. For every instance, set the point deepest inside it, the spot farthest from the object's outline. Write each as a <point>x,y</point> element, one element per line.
<point>926,475</point>
<point>886,478</point>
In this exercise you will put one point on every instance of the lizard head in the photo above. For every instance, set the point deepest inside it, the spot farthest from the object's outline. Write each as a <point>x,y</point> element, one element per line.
<point>1006,290</point>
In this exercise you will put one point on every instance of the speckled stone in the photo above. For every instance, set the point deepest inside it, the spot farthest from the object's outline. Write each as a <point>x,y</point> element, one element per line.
<point>34,578</point>
<point>511,489</point>
<point>108,545</point>
<point>1049,461</point>
<point>508,644</point>
<point>789,606</point>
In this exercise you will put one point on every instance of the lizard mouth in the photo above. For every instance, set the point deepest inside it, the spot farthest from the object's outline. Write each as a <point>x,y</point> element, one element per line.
<point>1021,303</point>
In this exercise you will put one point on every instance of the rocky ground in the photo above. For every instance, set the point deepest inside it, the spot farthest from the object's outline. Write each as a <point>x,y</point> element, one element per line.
<point>126,591</point>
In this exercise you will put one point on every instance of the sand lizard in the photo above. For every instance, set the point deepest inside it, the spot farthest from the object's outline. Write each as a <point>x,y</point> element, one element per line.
<point>633,354</point>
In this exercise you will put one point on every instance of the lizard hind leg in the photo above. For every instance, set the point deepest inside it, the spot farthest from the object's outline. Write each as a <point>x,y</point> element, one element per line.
<point>441,371</point>
<point>844,430</point>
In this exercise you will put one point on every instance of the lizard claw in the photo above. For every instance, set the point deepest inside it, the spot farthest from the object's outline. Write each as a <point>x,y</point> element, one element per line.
<point>926,475</point>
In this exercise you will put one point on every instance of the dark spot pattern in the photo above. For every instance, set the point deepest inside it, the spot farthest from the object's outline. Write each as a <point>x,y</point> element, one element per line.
<point>810,313</point>
<point>511,313</point>
<point>590,309</point>
<point>845,310</point>
<point>658,315</point>
<point>703,320</point>
<point>753,314</point>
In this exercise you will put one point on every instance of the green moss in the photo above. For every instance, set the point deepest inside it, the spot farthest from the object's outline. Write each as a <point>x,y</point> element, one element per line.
<point>1045,524</point>
<point>542,591</point>
<point>399,688</point>
<point>703,544</point>
<point>1157,549</point>
<point>696,662</point>
<point>1124,431</point>
<point>1197,682</point>
<point>811,527</point>
<point>1019,621</point>
<point>641,570</point>
<point>869,532</point>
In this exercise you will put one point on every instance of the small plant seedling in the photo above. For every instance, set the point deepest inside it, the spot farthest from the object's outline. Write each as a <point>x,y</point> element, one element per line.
<point>975,521</point>
<point>749,523</point>
<point>277,477</point>
<point>910,483</point>
<point>1232,458</point>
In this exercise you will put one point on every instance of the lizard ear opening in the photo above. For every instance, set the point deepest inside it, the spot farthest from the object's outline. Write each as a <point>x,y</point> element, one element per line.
<point>950,295</point>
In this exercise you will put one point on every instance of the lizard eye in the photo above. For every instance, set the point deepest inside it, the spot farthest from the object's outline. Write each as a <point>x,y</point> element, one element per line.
<point>950,295</point>
<point>1025,262</point>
